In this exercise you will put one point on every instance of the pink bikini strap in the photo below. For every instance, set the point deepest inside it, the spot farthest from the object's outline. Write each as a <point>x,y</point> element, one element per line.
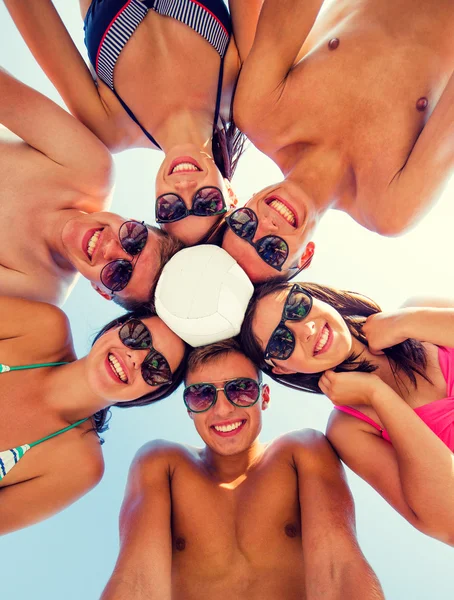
<point>359,415</point>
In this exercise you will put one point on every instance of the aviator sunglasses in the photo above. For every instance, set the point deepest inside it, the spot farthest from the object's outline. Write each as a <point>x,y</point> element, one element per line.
<point>135,334</point>
<point>271,248</point>
<point>116,274</point>
<point>206,202</point>
<point>242,392</point>
<point>281,344</point>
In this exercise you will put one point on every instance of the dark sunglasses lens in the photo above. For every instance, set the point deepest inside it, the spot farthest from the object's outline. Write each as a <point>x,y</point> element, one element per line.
<point>273,250</point>
<point>155,369</point>
<point>208,201</point>
<point>243,223</point>
<point>170,207</point>
<point>297,305</point>
<point>281,344</point>
<point>134,334</point>
<point>199,396</point>
<point>133,237</point>
<point>116,275</point>
<point>242,392</point>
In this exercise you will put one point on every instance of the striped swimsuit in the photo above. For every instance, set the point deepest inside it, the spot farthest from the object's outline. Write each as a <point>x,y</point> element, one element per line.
<point>109,24</point>
<point>10,458</point>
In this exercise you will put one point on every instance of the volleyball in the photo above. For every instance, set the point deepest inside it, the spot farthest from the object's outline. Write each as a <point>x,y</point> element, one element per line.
<point>202,295</point>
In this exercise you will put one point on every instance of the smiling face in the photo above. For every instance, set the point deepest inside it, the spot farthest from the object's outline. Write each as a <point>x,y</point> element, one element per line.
<point>322,339</point>
<point>225,428</point>
<point>114,370</point>
<point>91,241</point>
<point>185,170</point>
<point>281,210</point>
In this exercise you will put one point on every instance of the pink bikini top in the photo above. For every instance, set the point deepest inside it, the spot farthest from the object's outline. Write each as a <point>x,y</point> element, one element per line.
<point>438,415</point>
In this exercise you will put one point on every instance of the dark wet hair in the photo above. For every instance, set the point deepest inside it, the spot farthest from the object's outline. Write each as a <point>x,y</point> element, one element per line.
<point>169,245</point>
<point>102,417</point>
<point>408,358</point>
<point>213,352</point>
<point>228,145</point>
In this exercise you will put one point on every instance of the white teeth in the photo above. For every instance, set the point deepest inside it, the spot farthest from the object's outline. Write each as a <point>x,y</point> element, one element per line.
<point>284,211</point>
<point>226,428</point>
<point>323,339</point>
<point>116,368</point>
<point>92,242</point>
<point>185,166</point>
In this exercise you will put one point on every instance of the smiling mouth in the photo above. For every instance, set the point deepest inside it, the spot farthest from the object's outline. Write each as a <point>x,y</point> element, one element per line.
<point>92,243</point>
<point>117,369</point>
<point>323,340</point>
<point>283,210</point>
<point>230,428</point>
<point>184,164</point>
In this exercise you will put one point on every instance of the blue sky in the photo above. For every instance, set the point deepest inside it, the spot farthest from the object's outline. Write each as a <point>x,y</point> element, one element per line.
<point>72,555</point>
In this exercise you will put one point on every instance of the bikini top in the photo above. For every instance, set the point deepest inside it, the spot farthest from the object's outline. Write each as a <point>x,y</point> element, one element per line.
<point>109,26</point>
<point>437,415</point>
<point>10,458</point>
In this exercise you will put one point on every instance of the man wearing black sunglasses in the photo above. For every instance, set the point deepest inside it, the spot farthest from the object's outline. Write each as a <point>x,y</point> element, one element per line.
<point>354,101</point>
<point>55,176</point>
<point>238,518</point>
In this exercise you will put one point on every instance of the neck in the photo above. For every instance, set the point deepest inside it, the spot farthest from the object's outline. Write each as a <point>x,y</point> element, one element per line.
<point>186,128</point>
<point>52,229</point>
<point>229,469</point>
<point>68,392</point>
<point>325,177</point>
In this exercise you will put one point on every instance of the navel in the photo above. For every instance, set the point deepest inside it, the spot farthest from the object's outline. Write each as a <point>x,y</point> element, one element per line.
<point>422,103</point>
<point>180,544</point>
<point>333,43</point>
<point>291,530</point>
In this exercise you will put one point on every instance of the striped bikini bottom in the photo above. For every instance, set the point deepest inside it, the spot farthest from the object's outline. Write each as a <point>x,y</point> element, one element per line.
<point>109,24</point>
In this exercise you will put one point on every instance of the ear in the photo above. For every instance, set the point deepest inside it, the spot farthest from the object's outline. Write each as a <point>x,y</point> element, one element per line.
<point>282,371</point>
<point>306,258</point>
<point>105,295</point>
<point>265,396</point>
<point>232,199</point>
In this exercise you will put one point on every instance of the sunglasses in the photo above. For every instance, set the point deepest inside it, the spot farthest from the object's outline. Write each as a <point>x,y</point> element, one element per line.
<point>242,392</point>
<point>116,274</point>
<point>206,202</point>
<point>155,369</point>
<point>271,248</point>
<point>281,344</point>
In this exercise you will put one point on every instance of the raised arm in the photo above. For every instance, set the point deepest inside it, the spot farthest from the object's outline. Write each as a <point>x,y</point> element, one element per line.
<point>143,569</point>
<point>335,567</point>
<point>245,16</point>
<point>418,185</point>
<point>281,31</point>
<point>51,130</point>
<point>50,43</point>
<point>415,474</point>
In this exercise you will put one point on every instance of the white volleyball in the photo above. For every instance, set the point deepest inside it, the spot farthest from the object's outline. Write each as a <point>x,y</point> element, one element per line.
<point>202,295</point>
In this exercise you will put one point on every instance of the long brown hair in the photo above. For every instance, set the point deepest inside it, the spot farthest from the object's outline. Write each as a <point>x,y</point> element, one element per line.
<point>408,358</point>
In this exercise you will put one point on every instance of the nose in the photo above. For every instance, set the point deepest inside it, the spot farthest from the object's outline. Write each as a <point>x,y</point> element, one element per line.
<point>136,358</point>
<point>185,185</point>
<point>112,249</point>
<point>306,330</point>
<point>267,224</point>
<point>223,407</point>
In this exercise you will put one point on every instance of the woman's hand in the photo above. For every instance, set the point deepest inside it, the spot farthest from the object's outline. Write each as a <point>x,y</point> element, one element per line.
<point>346,389</point>
<point>386,329</point>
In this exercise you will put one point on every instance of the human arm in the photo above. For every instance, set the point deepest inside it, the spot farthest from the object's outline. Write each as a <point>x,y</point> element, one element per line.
<point>50,43</point>
<point>282,29</point>
<point>419,183</point>
<point>415,474</point>
<point>245,16</point>
<point>67,477</point>
<point>423,323</point>
<point>52,131</point>
<point>335,567</point>
<point>143,568</point>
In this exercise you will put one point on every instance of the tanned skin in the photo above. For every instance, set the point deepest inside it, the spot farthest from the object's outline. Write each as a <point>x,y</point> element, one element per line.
<point>238,518</point>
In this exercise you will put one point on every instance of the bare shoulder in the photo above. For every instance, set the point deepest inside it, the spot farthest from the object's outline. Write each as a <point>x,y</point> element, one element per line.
<point>161,455</point>
<point>308,441</point>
